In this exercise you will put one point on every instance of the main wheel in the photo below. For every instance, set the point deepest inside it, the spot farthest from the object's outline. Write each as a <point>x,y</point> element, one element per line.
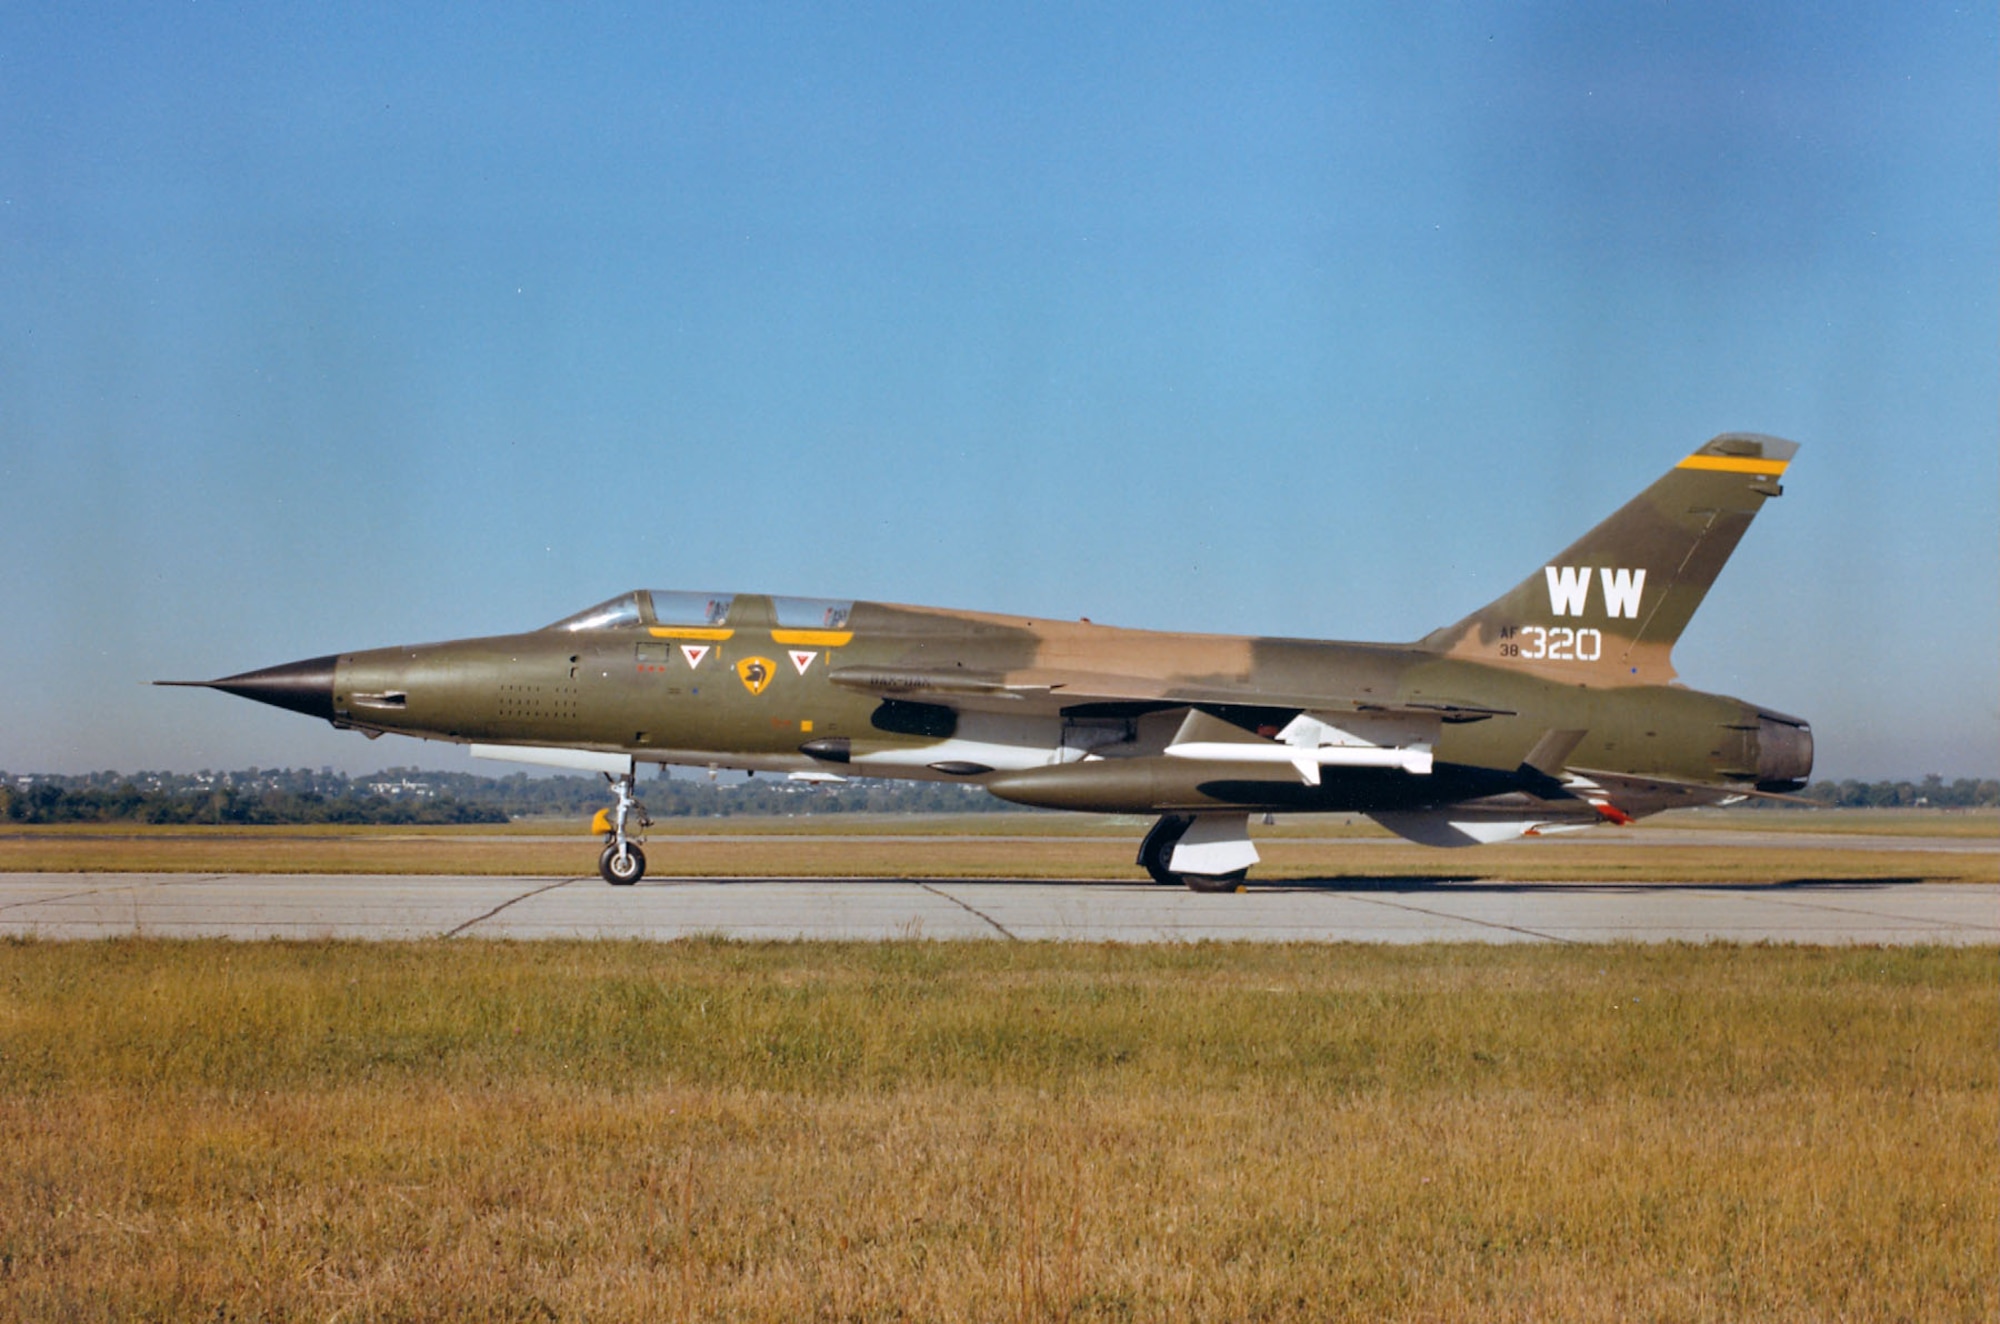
<point>1212,882</point>
<point>1158,847</point>
<point>622,870</point>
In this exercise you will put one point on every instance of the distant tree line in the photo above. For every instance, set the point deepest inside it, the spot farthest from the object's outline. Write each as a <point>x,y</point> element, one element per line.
<point>1933,791</point>
<point>409,796</point>
<point>46,802</point>
<point>258,796</point>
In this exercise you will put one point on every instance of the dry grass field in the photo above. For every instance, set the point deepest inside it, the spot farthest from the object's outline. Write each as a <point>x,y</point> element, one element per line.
<point>1936,847</point>
<point>916,1131</point>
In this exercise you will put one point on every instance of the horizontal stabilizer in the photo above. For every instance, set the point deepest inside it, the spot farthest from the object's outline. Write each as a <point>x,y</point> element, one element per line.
<point>1640,796</point>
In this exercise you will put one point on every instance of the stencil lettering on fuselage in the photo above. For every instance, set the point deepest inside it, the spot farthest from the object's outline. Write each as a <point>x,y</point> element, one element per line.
<point>1569,590</point>
<point>1621,591</point>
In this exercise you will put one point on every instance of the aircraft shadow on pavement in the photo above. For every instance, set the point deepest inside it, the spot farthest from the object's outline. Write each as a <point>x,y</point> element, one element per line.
<point>1457,883</point>
<point>1473,883</point>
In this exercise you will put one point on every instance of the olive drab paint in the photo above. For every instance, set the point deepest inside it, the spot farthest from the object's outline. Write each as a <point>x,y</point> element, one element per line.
<point>1553,707</point>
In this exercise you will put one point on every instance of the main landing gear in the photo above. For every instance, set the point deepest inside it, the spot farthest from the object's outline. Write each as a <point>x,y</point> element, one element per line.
<point>622,862</point>
<point>1213,851</point>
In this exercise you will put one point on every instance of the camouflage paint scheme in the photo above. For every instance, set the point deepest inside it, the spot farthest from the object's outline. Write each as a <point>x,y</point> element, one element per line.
<point>1552,707</point>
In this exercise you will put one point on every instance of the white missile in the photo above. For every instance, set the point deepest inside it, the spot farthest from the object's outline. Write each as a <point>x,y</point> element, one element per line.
<point>1411,759</point>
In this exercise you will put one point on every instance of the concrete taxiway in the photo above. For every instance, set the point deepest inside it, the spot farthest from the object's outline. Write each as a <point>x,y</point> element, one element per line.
<point>72,905</point>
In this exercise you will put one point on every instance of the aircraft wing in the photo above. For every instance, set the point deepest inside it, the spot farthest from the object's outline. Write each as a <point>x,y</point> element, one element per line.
<point>1068,691</point>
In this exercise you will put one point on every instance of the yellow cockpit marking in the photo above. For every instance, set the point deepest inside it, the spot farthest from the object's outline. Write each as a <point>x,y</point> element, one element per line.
<point>1735,464</point>
<point>813,638</point>
<point>709,632</point>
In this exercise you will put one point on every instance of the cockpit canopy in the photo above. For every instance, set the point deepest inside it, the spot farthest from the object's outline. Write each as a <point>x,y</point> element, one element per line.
<point>811,613</point>
<point>679,607</point>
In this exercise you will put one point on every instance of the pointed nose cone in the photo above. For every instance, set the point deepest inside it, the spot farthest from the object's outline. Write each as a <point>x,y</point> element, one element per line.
<point>304,687</point>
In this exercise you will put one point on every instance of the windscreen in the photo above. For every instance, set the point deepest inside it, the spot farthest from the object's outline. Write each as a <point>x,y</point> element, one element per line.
<point>610,615</point>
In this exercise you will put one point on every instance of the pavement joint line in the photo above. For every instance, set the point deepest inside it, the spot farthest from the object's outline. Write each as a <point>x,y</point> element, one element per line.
<point>512,900</point>
<point>1462,919</point>
<point>1992,928</point>
<point>59,896</point>
<point>163,880</point>
<point>391,907</point>
<point>967,906</point>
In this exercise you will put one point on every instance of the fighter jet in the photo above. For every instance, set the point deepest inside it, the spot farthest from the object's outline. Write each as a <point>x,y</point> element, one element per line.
<point>1552,708</point>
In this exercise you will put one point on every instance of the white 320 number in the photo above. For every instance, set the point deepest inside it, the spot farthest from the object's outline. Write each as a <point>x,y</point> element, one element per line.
<point>1561,644</point>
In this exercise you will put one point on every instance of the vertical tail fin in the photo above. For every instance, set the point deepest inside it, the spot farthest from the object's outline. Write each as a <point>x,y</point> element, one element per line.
<point>1607,609</point>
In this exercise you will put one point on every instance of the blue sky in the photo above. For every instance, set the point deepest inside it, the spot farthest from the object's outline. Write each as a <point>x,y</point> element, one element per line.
<point>333,327</point>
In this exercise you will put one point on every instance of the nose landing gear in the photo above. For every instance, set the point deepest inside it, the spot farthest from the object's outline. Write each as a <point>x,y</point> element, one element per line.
<point>622,863</point>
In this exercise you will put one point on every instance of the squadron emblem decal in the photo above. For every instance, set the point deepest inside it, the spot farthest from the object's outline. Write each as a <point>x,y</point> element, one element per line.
<point>756,673</point>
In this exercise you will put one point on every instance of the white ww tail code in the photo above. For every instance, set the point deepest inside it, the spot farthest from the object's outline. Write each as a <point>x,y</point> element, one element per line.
<point>1569,590</point>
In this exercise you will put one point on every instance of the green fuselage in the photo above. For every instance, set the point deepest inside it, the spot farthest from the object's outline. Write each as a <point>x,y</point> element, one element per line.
<point>1027,722</point>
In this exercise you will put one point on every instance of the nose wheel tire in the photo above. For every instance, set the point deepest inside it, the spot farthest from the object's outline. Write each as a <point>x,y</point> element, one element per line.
<point>622,870</point>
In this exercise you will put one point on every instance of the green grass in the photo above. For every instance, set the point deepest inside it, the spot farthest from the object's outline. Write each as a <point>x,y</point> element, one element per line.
<point>1035,846</point>
<point>996,1131</point>
<point>1953,823</point>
